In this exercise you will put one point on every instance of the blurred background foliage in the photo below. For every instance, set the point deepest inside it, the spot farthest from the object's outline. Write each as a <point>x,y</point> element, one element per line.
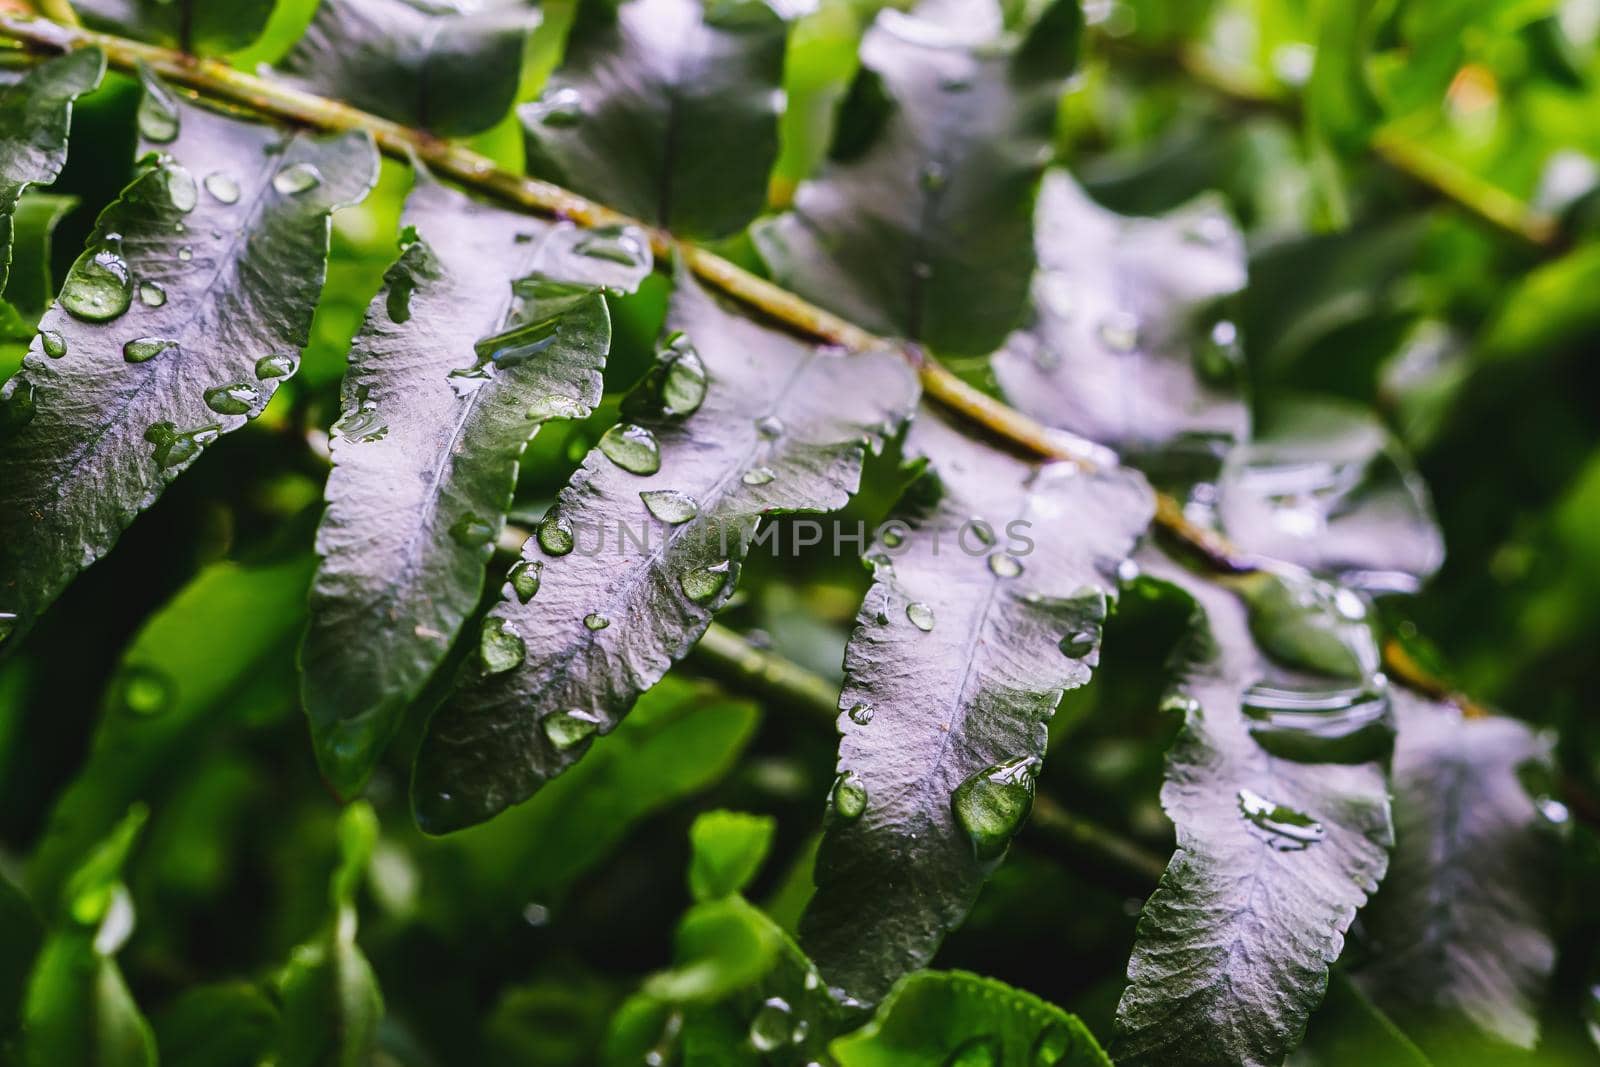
<point>1418,181</point>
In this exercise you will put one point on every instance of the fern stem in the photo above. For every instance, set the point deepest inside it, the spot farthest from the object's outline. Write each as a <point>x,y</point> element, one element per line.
<point>218,80</point>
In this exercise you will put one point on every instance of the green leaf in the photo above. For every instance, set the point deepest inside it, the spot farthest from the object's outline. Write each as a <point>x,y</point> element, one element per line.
<point>737,421</point>
<point>204,27</point>
<point>176,325</point>
<point>31,287</point>
<point>76,978</point>
<point>218,656</point>
<point>35,115</point>
<point>1341,106</point>
<point>1276,786</point>
<point>1349,1028</point>
<point>222,1025</point>
<point>721,946</point>
<point>940,1018</point>
<point>1461,928</point>
<point>679,740</point>
<point>987,603</point>
<point>20,936</point>
<point>490,324</point>
<point>452,70</point>
<point>727,849</point>
<point>329,995</point>
<point>1123,348</point>
<point>665,109</point>
<point>1326,487</point>
<point>922,225</point>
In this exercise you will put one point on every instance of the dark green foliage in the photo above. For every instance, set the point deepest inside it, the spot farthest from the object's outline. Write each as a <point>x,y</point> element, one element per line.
<point>651,93</point>
<point>204,27</point>
<point>175,326</point>
<point>429,65</point>
<point>488,325</point>
<point>739,420</point>
<point>989,594</point>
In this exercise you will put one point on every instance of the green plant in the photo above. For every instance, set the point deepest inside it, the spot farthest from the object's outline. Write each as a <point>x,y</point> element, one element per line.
<point>754,272</point>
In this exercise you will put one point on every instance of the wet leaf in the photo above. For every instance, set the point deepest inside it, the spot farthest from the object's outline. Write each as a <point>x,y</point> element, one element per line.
<point>449,69</point>
<point>177,324</point>
<point>490,324</point>
<point>922,224</point>
<point>741,419</point>
<point>1124,347</point>
<point>989,593</point>
<point>651,98</point>
<point>204,27</point>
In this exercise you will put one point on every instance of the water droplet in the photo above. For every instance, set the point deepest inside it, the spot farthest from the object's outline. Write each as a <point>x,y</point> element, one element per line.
<point>17,405</point>
<point>54,345</point>
<point>278,366</point>
<point>933,177</point>
<point>185,254</point>
<point>1119,331</point>
<point>181,188</point>
<point>144,690</point>
<point>235,399</point>
<point>893,536</point>
<point>296,179</point>
<point>141,349</point>
<point>554,534</point>
<point>770,426</point>
<point>596,621</point>
<point>8,625</point>
<point>152,295</point>
<point>758,476</point>
<point>1311,625</point>
<point>849,796</point>
<point>704,584</point>
<point>1052,1047</point>
<point>676,385</point>
<point>614,244</point>
<point>770,1027</point>
<point>174,448</point>
<point>920,614</point>
<point>556,407</point>
<point>559,109</point>
<point>98,288</point>
<point>524,577</point>
<point>1320,724</point>
<point>500,647</point>
<point>861,714</point>
<point>1284,829</point>
<point>632,447</point>
<point>566,728</point>
<point>222,187</point>
<point>1005,565</point>
<point>991,805</point>
<point>1079,643</point>
<point>1218,356</point>
<point>360,423</point>
<point>472,530</point>
<point>670,506</point>
<point>982,1051</point>
<point>158,116</point>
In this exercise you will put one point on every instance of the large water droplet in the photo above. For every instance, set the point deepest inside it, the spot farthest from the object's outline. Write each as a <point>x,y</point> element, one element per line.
<point>771,1025</point>
<point>185,254</point>
<point>1119,331</point>
<point>554,534</point>
<point>920,614</point>
<point>141,349</point>
<point>675,387</point>
<point>555,406</point>
<point>632,447</point>
<point>566,728</point>
<point>982,1051</point>
<point>670,506</point>
<point>1321,724</point>
<point>296,178</point>
<point>1282,828</point>
<point>360,422</point>
<point>152,295</point>
<point>1311,625</point>
<point>1079,643</point>
<point>98,288</point>
<point>276,366</point>
<point>222,187</point>
<point>8,625</point>
<point>174,448</point>
<point>500,647</point>
<point>849,796</point>
<point>53,344</point>
<point>472,530</point>
<point>990,805</point>
<point>524,578</point>
<point>861,714</point>
<point>236,398</point>
<point>17,405</point>
<point>158,116</point>
<point>770,426</point>
<point>144,690</point>
<point>704,584</point>
<point>595,621</point>
<point>758,476</point>
<point>1004,565</point>
<point>614,244</point>
<point>181,188</point>
<point>559,108</point>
